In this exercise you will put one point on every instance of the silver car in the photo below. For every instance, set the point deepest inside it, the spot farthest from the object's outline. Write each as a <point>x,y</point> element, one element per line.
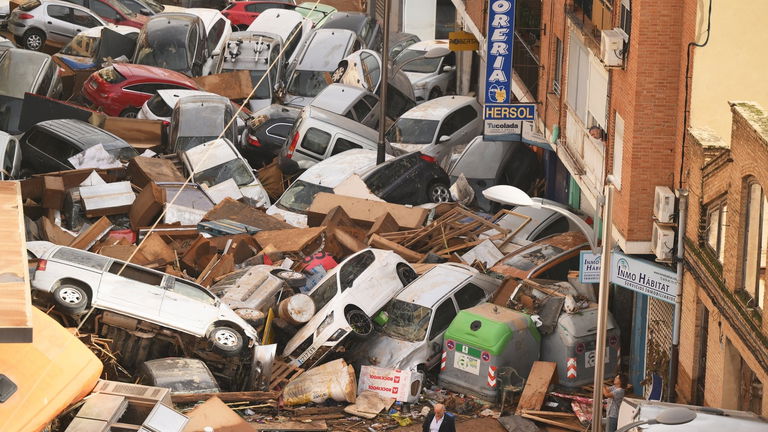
<point>431,78</point>
<point>78,279</point>
<point>412,337</point>
<point>35,22</point>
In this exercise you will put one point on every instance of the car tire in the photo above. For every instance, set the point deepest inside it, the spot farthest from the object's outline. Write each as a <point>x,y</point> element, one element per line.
<point>226,341</point>
<point>292,279</point>
<point>130,112</point>
<point>361,323</point>
<point>71,299</point>
<point>33,40</point>
<point>435,93</point>
<point>438,193</point>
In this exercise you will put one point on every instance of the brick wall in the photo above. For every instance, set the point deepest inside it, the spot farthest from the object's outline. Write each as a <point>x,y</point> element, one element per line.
<point>708,179</point>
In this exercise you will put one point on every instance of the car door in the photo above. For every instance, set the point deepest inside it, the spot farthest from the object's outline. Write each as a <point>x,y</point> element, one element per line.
<point>60,29</point>
<point>442,316</point>
<point>133,290</point>
<point>187,306</point>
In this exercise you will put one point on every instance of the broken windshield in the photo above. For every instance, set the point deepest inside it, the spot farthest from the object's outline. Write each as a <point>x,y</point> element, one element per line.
<point>235,169</point>
<point>407,321</point>
<point>300,195</point>
<point>308,83</point>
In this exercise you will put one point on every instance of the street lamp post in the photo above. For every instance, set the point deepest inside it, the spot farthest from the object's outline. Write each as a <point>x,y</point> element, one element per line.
<point>670,417</point>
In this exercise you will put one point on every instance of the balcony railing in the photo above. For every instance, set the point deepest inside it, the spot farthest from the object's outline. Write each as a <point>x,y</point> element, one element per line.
<point>590,20</point>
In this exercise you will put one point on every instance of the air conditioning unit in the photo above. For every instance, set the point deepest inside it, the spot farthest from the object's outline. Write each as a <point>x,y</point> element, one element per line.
<point>664,205</point>
<point>663,242</point>
<point>612,47</point>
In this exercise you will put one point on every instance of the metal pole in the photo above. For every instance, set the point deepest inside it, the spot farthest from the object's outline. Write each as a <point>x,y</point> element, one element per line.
<point>381,150</point>
<point>602,311</point>
<point>675,350</point>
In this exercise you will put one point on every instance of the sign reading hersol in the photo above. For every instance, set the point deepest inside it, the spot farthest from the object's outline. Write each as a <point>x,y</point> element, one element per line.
<point>644,277</point>
<point>462,41</point>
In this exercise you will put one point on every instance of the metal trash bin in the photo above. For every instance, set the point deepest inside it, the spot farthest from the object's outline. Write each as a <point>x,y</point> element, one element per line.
<point>479,342</point>
<point>572,346</point>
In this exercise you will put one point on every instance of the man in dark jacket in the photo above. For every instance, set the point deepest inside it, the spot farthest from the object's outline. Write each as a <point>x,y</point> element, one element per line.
<point>439,421</point>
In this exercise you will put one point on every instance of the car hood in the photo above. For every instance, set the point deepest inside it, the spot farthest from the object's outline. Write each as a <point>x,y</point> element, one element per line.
<point>384,351</point>
<point>417,77</point>
<point>255,194</point>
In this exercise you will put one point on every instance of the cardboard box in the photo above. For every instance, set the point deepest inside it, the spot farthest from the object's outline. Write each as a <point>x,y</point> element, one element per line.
<point>147,206</point>
<point>365,212</point>
<point>142,170</point>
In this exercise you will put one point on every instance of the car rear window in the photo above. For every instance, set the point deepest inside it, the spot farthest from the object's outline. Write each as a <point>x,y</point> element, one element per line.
<point>158,106</point>
<point>28,6</point>
<point>353,268</point>
<point>81,258</point>
<point>316,141</point>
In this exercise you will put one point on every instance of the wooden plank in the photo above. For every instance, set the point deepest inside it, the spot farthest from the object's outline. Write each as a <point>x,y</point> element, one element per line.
<point>15,298</point>
<point>541,376</point>
<point>564,425</point>
<point>248,396</point>
<point>365,212</point>
<point>86,239</point>
<point>548,413</point>
<point>291,426</point>
<point>245,214</point>
<point>288,240</point>
<point>379,242</point>
<point>383,224</point>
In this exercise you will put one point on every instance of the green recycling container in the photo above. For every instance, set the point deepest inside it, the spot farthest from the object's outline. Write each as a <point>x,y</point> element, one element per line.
<point>480,342</point>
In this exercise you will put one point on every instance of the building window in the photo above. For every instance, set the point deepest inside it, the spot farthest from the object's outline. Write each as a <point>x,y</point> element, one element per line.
<point>558,66</point>
<point>717,213</point>
<point>755,243</point>
<point>625,18</point>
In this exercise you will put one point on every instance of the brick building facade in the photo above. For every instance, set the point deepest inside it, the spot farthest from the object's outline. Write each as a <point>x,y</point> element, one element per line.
<point>724,334</point>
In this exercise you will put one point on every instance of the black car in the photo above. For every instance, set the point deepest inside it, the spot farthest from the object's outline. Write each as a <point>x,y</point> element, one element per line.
<point>366,28</point>
<point>413,179</point>
<point>48,145</point>
<point>264,140</point>
<point>175,41</point>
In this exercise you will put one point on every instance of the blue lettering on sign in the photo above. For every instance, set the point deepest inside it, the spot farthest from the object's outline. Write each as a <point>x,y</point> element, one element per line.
<point>501,33</point>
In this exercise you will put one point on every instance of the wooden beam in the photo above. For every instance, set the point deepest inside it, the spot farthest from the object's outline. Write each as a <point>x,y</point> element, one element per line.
<point>248,396</point>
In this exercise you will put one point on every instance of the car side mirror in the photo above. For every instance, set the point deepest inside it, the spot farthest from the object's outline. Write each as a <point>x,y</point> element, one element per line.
<point>145,11</point>
<point>444,138</point>
<point>447,69</point>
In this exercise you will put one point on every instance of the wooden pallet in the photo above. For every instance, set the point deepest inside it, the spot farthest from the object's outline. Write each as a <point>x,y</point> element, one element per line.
<point>282,374</point>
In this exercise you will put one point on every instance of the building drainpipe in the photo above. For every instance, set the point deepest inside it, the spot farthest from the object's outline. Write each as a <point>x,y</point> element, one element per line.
<point>682,214</point>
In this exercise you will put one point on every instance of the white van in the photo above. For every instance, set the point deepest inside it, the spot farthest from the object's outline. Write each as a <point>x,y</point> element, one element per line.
<point>291,26</point>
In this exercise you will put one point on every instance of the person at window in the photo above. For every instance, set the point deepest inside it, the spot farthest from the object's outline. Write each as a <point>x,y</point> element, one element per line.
<point>439,421</point>
<point>615,394</point>
<point>597,132</point>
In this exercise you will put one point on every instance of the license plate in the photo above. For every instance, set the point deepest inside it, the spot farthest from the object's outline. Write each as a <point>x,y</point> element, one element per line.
<point>466,363</point>
<point>589,358</point>
<point>307,354</point>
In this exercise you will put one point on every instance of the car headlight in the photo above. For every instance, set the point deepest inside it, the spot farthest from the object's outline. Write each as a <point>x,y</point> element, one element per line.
<point>324,325</point>
<point>420,86</point>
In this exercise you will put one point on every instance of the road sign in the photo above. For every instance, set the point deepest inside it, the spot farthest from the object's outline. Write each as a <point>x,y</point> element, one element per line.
<point>589,267</point>
<point>505,122</point>
<point>462,41</point>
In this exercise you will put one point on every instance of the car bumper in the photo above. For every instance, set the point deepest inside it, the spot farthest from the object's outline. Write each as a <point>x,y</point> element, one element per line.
<point>16,28</point>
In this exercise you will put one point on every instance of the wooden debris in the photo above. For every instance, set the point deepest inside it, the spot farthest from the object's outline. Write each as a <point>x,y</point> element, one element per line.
<point>380,242</point>
<point>567,421</point>
<point>86,239</point>
<point>295,240</point>
<point>541,376</point>
<point>319,425</point>
<point>247,396</point>
<point>282,374</point>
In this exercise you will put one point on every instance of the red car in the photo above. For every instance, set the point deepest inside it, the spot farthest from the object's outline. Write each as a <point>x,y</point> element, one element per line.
<point>242,13</point>
<point>121,89</point>
<point>114,12</point>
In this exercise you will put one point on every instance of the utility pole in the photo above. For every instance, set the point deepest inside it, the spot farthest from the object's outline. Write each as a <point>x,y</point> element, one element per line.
<point>384,87</point>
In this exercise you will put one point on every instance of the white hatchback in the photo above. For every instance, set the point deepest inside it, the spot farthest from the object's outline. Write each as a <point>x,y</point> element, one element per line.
<point>78,279</point>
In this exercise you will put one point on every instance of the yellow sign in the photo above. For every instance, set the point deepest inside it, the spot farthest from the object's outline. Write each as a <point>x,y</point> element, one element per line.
<point>462,41</point>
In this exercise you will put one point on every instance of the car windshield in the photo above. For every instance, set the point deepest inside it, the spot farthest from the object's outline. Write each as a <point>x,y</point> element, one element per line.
<point>308,83</point>
<point>82,46</point>
<point>419,66</point>
<point>164,47</point>
<point>300,195</point>
<point>262,91</point>
<point>407,321</point>
<point>412,131</point>
<point>184,143</point>
<point>235,169</point>
<point>533,258</point>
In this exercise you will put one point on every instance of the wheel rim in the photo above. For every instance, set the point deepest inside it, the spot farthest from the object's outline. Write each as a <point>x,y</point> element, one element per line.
<point>70,296</point>
<point>358,322</point>
<point>34,41</point>
<point>226,338</point>
<point>130,114</point>
<point>440,194</point>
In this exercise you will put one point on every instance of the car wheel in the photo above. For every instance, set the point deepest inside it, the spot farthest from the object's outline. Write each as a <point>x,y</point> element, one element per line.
<point>435,93</point>
<point>226,341</point>
<point>33,39</point>
<point>438,193</point>
<point>360,322</point>
<point>129,112</point>
<point>70,298</point>
<point>292,279</point>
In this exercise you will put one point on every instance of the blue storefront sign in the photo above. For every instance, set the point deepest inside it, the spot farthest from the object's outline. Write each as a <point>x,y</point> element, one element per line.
<point>503,120</point>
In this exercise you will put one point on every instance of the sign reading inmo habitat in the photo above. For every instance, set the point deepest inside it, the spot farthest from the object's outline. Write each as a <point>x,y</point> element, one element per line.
<point>644,277</point>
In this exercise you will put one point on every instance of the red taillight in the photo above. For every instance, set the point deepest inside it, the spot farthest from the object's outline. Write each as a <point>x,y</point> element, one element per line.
<point>41,265</point>
<point>292,147</point>
<point>166,123</point>
<point>589,221</point>
<point>428,158</point>
<point>25,16</point>
<point>253,141</point>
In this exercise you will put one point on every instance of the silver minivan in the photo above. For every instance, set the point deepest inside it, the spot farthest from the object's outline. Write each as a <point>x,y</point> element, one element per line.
<point>319,134</point>
<point>311,71</point>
